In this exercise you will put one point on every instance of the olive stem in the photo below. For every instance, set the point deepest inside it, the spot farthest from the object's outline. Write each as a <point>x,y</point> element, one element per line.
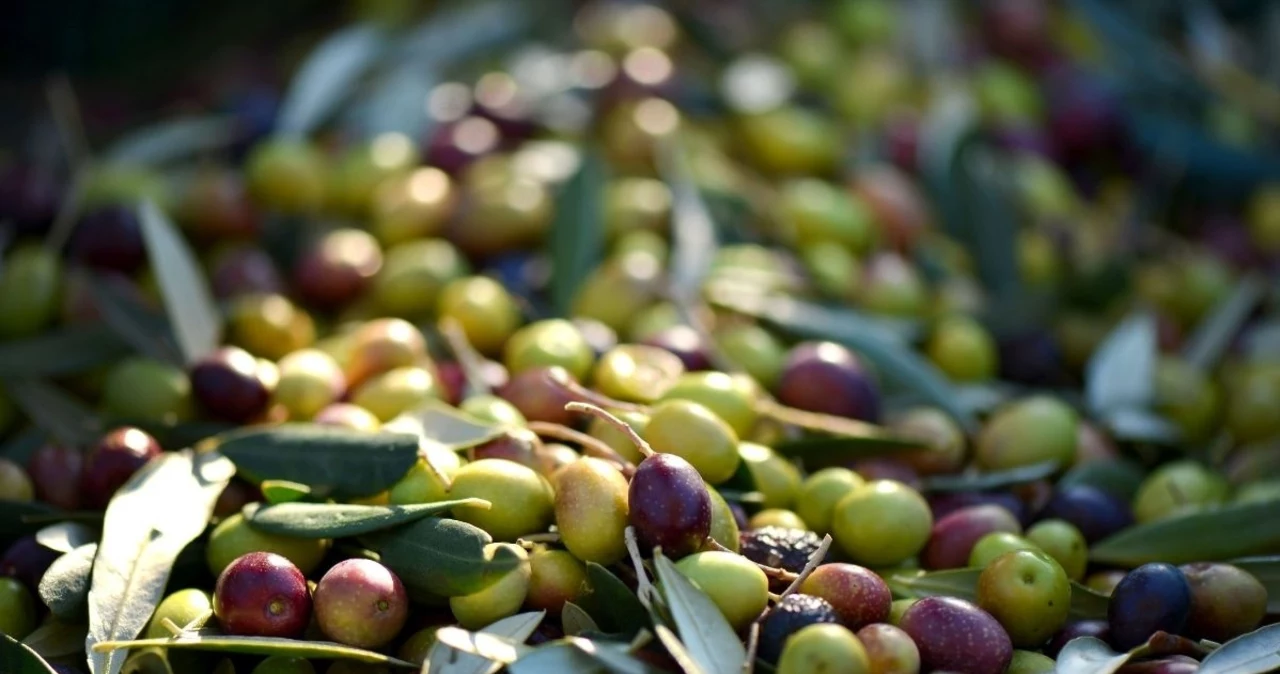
<point>435,470</point>
<point>468,358</point>
<point>173,627</point>
<point>643,587</point>
<point>591,445</point>
<point>546,537</point>
<point>814,560</point>
<point>600,413</point>
<point>770,571</point>
<point>576,390</point>
<point>826,423</point>
<point>753,644</point>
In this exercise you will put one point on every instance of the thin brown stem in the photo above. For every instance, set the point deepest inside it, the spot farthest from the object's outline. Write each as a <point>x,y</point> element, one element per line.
<point>770,571</point>
<point>582,393</point>
<point>643,587</point>
<point>600,413</point>
<point>590,445</point>
<point>468,358</point>
<point>814,560</point>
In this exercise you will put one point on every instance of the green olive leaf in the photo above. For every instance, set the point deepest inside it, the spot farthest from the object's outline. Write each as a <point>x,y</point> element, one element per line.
<point>994,480</point>
<point>1267,571</point>
<point>15,517</point>
<point>1120,477</point>
<point>504,638</point>
<point>340,520</point>
<point>1206,346</point>
<point>577,231</point>
<point>1086,603</point>
<point>1220,533</point>
<point>67,350</point>
<point>693,232</point>
<point>64,588</point>
<point>555,658</point>
<point>327,77</point>
<point>17,658</point>
<point>575,620</point>
<point>442,556</point>
<point>331,461</point>
<point>1257,652</point>
<point>283,491</point>
<point>162,508</point>
<point>707,636</point>
<point>188,302</point>
<point>172,140</point>
<point>611,604</point>
<point>56,412</point>
<point>443,424</point>
<point>66,536</point>
<point>57,639</point>
<point>211,640</point>
<point>134,323</point>
<point>677,650</point>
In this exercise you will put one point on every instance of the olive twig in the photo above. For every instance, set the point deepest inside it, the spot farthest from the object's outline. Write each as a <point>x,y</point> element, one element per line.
<point>814,560</point>
<point>770,571</point>
<point>643,587</point>
<point>753,643</point>
<point>582,393</point>
<point>600,413</point>
<point>168,624</point>
<point>590,445</point>
<point>545,537</point>
<point>468,358</point>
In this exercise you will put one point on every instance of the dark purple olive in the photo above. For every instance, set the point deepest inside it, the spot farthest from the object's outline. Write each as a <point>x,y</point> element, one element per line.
<point>670,506</point>
<point>954,536</point>
<point>28,198</point>
<point>945,503</point>
<point>1096,513</point>
<point>886,468</point>
<point>1033,359</point>
<point>828,378</point>
<point>955,635</point>
<point>244,271</point>
<point>1098,629</point>
<point>1084,115</point>
<point>685,343</point>
<point>110,464</point>
<point>27,560</point>
<point>456,145</point>
<point>55,473</point>
<point>228,385</point>
<point>109,238</point>
<point>1151,598</point>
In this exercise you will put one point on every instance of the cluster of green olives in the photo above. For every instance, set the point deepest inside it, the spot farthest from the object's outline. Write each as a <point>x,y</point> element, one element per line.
<point>359,281</point>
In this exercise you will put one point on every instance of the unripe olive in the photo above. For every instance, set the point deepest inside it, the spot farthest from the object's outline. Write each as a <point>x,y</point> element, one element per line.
<point>732,398</point>
<point>269,326</point>
<point>591,510</point>
<point>556,576</point>
<point>397,391</point>
<point>963,349</point>
<point>549,343</point>
<point>734,583</point>
<point>521,500</point>
<point>694,433</point>
<point>501,598</point>
<point>724,526</point>
<point>309,380</point>
<point>427,481</point>
<point>775,477</point>
<point>413,274</point>
<point>483,308</point>
<point>287,176</point>
<point>1031,430</point>
<point>819,494</point>
<point>30,285</point>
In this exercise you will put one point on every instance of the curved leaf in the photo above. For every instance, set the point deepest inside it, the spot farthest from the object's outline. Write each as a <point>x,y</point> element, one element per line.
<point>994,480</point>
<point>209,640</point>
<point>339,520</point>
<point>1217,534</point>
<point>1257,652</point>
<point>1087,655</point>
<point>693,233</point>
<point>57,639</point>
<point>64,588</point>
<point>611,603</point>
<point>67,350</point>
<point>327,77</point>
<point>1121,477</point>
<point>1205,347</point>
<point>575,620</point>
<point>707,636</point>
<point>134,323</point>
<point>172,140</point>
<point>513,631</point>
<point>161,509</point>
<point>329,460</point>
<point>577,232</point>
<point>17,658</point>
<point>442,424</point>
<point>188,302</point>
<point>54,411</point>
<point>283,491</point>
<point>1121,372</point>
<point>66,536</point>
<point>441,556</point>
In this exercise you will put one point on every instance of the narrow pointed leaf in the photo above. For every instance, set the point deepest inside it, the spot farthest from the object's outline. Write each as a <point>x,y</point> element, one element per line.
<point>161,509</point>
<point>1121,477</point>
<point>14,517</point>
<point>283,491</point>
<point>172,140</point>
<point>441,556</point>
<point>575,620</point>
<point>443,424</point>
<point>554,658</point>
<point>68,350</point>
<point>329,460</point>
<point>993,480</point>
<point>510,633</point>
<point>710,641</point>
<point>1121,373</point>
<point>1087,655</point>
<point>611,603</point>
<point>57,639</point>
<point>577,232</point>
<point>1257,652</point>
<point>210,640</point>
<point>677,650</point>
<point>1206,346</point>
<point>55,412</point>
<point>187,299</point>
<point>17,658</point>
<point>339,520</point>
<point>693,233</point>
<point>490,649</point>
<point>64,587</point>
<point>66,536</point>
<point>137,325</point>
<point>1217,534</point>
<point>327,77</point>
<point>1267,571</point>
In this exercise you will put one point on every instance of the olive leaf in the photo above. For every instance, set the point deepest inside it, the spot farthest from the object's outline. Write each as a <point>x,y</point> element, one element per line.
<point>677,650</point>
<point>57,639</point>
<point>443,659</point>
<point>15,517</point>
<point>1206,346</point>
<point>443,424</point>
<point>693,233</point>
<point>1086,603</point>
<point>554,658</point>
<point>707,636</point>
<point>172,140</point>
<point>339,520</point>
<point>57,413</point>
<point>135,323</point>
<point>994,480</point>
<point>577,231</point>
<point>161,509</point>
<point>67,350</point>
<point>22,445</point>
<point>575,620</point>
<point>1214,534</point>
<point>327,76</point>
<point>1087,655</point>
<point>489,649</point>
<point>1120,477</point>
<point>1257,652</point>
<point>64,587</point>
<point>211,640</point>
<point>197,325</point>
<point>1120,376</point>
<point>442,556</point>
<point>18,658</point>
<point>66,536</point>
<point>329,460</point>
<point>611,604</point>
<point>283,491</point>
<point>1267,571</point>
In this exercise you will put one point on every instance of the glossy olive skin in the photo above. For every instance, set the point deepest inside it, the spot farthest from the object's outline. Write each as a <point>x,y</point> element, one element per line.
<point>669,505</point>
<point>536,395</point>
<point>954,536</point>
<point>1028,592</point>
<point>792,614</point>
<point>1151,598</point>
<point>954,635</point>
<point>116,457</point>
<point>262,594</point>
<point>685,343</point>
<point>109,239</point>
<point>55,473</point>
<point>828,378</point>
<point>27,561</point>
<point>1096,513</point>
<point>592,510</point>
<point>858,595</point>
<point>361,603</point>
<point>337,268</point>
<point>1225,601</point>
<point>228,385</point>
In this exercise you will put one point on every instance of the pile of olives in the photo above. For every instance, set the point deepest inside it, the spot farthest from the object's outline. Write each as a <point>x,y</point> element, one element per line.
<point>839,516</point>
